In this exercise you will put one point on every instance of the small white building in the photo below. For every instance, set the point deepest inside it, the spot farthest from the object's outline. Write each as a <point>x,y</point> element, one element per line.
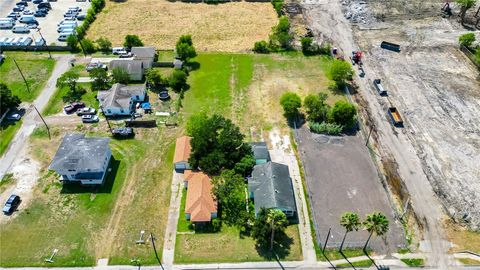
<point>120,99</point>
<point>82,159</point>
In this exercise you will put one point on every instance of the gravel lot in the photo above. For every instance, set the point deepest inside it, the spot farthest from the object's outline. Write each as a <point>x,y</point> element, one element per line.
<point>341,177</point>
<point>48,24</point>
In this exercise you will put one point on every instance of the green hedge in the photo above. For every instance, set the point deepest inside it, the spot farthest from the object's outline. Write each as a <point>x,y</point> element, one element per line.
<point>97,6</point>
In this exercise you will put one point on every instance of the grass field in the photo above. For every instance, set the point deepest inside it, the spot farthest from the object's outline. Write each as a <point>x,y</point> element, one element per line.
<point>462,238</point>
<point>35,67</point>
<point>467,261</point>
<point>229,27</point>
<point>7,131</point>
<point>413,262</point>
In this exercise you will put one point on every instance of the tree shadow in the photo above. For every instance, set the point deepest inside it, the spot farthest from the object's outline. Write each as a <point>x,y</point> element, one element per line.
<point>281,247</point>
<point>77,188</point>
<point>192,66</point>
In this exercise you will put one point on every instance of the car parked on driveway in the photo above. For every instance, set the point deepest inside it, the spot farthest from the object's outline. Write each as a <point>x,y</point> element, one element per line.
<point>14,117</point>
<point>86,111</point>
<point>95,64</point>
<point>11,204</point>
<point>70,108</point>
<point>89,118</point>
<point>125,55</point>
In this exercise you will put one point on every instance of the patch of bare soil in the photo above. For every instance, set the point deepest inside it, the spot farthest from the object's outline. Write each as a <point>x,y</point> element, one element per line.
<point>230,27</point>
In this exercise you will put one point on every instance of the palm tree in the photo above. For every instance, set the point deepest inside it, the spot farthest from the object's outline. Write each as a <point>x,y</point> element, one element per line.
<point>465,5</point>
<point>278,221</point>
<point>350,221</point>
<point>375,223</point>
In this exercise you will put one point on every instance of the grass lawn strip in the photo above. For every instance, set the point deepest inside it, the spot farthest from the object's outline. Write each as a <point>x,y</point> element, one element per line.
<point>7,132</point>
<point>413,262</point>
<point>364,263</point>
<point>36,67</point>
<point>468,261</point>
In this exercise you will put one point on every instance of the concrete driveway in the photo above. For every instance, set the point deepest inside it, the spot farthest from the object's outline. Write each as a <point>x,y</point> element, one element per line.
<point>341,177</point>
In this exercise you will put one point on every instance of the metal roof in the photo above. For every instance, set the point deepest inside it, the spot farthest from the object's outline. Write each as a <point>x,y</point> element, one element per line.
<point>260,150</point>
<point>79,153</point>
<point>272,187</point>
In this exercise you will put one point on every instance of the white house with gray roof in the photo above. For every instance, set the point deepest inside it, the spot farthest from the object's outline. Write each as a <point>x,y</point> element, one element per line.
<point>270,186</point>
<point>120,99</point>
<point>82,159</point>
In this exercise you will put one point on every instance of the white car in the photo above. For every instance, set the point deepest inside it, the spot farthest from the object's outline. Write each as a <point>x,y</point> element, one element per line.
<point>14,117</point>
<point>89,118</point>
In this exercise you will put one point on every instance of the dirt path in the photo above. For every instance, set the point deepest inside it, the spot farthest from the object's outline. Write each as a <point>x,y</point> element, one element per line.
<point>17,159</point>
<point>327,21</point>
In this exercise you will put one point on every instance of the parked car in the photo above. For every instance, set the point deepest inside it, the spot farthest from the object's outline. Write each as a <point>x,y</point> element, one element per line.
<point>18,9</point>
<point>123,132</point>
<point>27,12</point>
<point>70,13</point>
<point>39,13</point>
<point>125,55</point>
<point>37,1</point>
<point>70,108</point>
<point>81,17</point>
<point>89,118</point>
<point>39,42</point>
<point>7,24</point>
<point>13,15</point>
<point>44,5</point>
<point>14,117</point>
<point>27,19</point>
<point>81,0</point>
<point>118,50</point>
<point>95,64</point>
<point>22,3</point>
<point>86,111</point>
<point>11,204</point>
<point>20,29</point>
<point>76,9</point>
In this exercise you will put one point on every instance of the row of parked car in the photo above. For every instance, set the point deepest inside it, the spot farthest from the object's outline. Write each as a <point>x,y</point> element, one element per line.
<point>21,41</point>
<point>89,115</point>
<point>22,14</point>
<point>67,26</point>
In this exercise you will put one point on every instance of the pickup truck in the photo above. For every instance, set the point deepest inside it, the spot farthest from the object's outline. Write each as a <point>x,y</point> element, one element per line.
<point>395,117</point>
<point>378,85</point>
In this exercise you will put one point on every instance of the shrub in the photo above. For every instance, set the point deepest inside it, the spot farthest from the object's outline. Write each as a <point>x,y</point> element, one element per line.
<point>104,44</point>
<point>184,48</point>
<point>178,80</point>
<point>325,128</point>
<point>72,42</point>
<point>132,41</point>
<point>316,108</point>
<point>278,5</point>
<point>467,39</point>
<point>309,47</point>
<point>7,100</point>
<point>120,75</point>
<point>261,47</point>
<point>343,113</point>
<point>341,71</point>
<point>290,102</point>
<point>281,37</point>
<point>87,46</point>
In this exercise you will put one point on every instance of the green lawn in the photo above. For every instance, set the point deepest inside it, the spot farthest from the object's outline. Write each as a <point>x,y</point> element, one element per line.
<point>229,245</point>
<point>7,132</point>
<point>413,262</point>
<point>333,254</point>
<point>364,263</point>
<point>35,67</point>
<point>183,224</point>
<point>468,261</point>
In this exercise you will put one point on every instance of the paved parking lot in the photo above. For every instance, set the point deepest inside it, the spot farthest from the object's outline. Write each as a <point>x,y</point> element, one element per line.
<point>48,24</point>
<point>341,177</point>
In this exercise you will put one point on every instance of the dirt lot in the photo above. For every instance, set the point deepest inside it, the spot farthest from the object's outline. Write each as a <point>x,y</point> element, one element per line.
<point>341,177</point>
<point>230,27</point>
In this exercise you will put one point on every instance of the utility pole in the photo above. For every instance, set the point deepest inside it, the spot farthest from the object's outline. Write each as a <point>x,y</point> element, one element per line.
<point>369,134</point>
<point>155,250</point>
<point>106,118</point>
<point>48,49</point>
<point>79,42</point>
<point>21,73</point>
<point>43,120</point>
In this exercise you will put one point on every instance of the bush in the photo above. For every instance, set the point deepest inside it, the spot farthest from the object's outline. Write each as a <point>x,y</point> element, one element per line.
<point>87,46</point>
<point>184,48</point>
<point>7,100</point>
<point>316,108</point>
<point>341,71</point>
<point>343,113</point>
<point>132,41</point>
<point>97,6</point>
<point>120,75</point>
<point>178,80</point>
<point>104,44</point>
<point>467,39</point>
<point>309,47</point>
<point>281,37</point>
<point>261,47</point>
<point>325,128</point>
<point>290,102</point>
<point>74,94</point>
<point>72,42</point>
<point>278,5</point>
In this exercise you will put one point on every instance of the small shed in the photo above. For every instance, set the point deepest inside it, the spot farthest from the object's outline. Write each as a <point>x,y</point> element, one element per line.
<point>260,152</point>
<point>182,154</point>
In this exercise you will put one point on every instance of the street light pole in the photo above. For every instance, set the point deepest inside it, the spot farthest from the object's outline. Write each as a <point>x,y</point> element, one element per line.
<point>48,49</point>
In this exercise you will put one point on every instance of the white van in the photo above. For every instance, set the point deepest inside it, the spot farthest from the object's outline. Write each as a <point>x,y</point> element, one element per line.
<point>20,29</point>
<point>62,28</point>
<point>6,24</point>
<point>118,50</point>
<point>27,19</point>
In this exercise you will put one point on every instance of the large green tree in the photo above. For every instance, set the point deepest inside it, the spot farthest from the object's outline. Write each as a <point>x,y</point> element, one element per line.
<point>267,224</point>
<point>343,113</point>
<point>340,71</point>
<point>154,79</point>
<point>7,99</point>
<point>229,189</point>
<point>290,102</point>
<point>316,107</point>
<point>281,36</point>
<point>69,79</point>
<point>100,79</point>
<point>184,48</point>
<point>132,41</point>
<point>178,80</point>
<point>216,143</point>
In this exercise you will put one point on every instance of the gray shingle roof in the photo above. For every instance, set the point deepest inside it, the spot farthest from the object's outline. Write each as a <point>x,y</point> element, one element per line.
<point>143,52</point>
<point>272,187</point>
<point>76,152</point>
<point>260,150</point>
<point>131,66</point>
<point>119,95</point>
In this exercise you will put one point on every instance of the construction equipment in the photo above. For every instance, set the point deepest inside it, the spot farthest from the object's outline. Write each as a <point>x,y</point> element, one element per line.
<point>356,58</point>
<point>50,260</point>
